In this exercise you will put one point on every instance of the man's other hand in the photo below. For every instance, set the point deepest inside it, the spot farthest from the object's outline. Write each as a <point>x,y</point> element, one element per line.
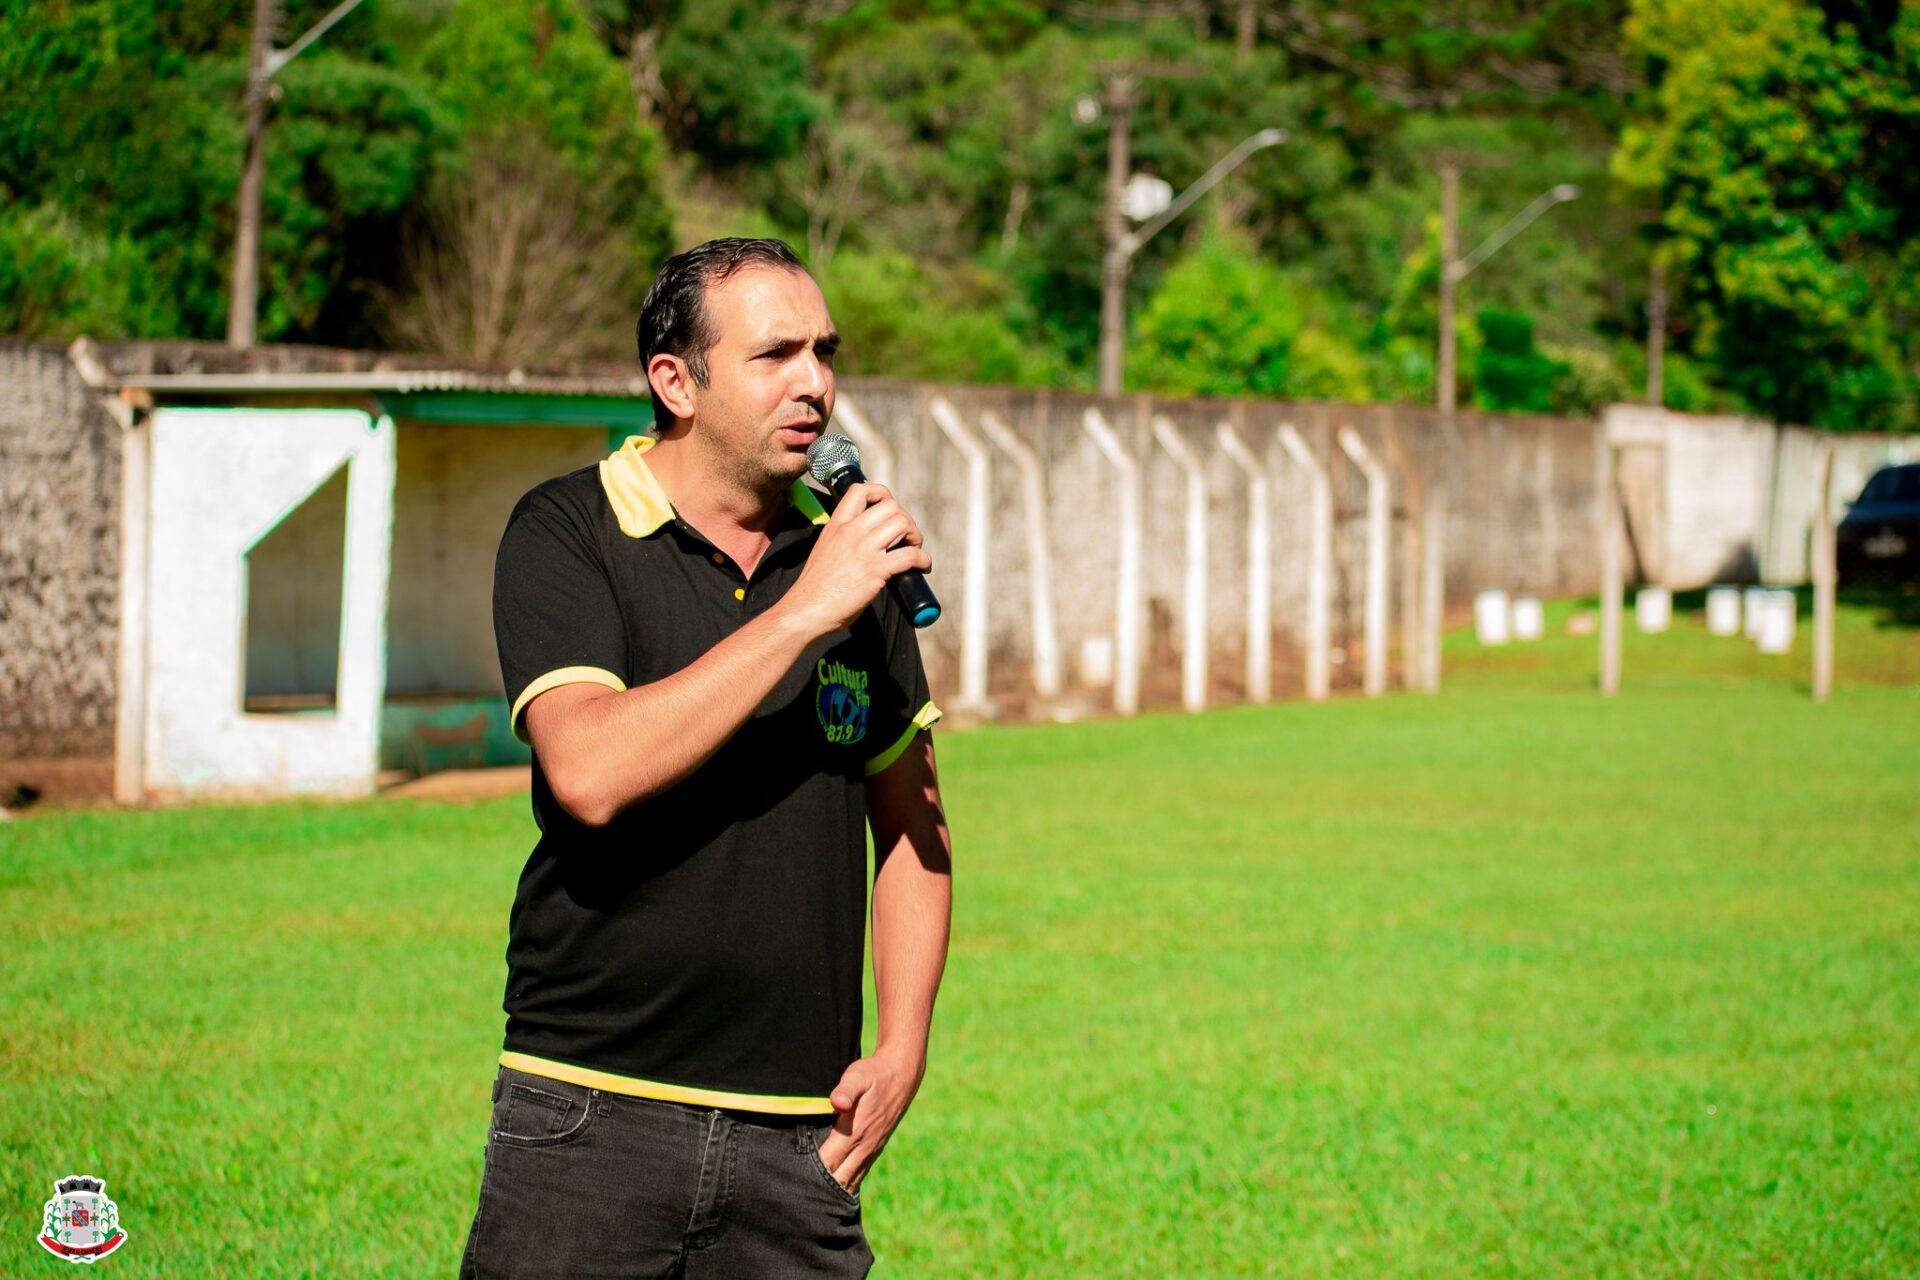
<point>872,1095</point>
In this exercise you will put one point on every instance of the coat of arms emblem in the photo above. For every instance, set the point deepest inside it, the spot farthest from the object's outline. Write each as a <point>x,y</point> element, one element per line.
<point>82,1225</point>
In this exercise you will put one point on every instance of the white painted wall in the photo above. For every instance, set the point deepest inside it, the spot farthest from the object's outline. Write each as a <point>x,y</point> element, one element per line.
<point>1738,495</point>
<point>455,486</point>
<point>221,479</point>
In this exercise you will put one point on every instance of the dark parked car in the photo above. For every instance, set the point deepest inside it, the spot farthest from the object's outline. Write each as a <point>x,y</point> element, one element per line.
<point>1880,537</point>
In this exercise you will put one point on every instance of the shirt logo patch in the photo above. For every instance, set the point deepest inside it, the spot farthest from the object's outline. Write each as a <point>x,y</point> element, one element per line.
<point>842,703</point>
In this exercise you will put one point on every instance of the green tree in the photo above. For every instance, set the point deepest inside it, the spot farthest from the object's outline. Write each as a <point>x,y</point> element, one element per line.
<point>736,80</point>
<point>1510,373</point>
<point>1226,323</point>
<point>59,280</point>
<point>1783,143</point>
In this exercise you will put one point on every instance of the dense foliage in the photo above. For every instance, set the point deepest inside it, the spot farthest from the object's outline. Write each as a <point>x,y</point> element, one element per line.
<point>497,179</point>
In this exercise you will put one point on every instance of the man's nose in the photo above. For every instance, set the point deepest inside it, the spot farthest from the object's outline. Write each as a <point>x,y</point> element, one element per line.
<point>813,378</point>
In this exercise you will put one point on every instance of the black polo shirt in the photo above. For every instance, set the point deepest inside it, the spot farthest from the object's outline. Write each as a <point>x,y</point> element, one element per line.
<point>705,946</point>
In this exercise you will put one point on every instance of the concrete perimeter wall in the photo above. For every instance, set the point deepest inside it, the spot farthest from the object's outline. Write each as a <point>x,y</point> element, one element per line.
<point>59,557</point>
<point>1518,493</point>
<point>1710,500</point>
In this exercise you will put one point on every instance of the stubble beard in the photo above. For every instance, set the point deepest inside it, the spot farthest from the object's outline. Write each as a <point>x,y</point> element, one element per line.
<point>756,470</point>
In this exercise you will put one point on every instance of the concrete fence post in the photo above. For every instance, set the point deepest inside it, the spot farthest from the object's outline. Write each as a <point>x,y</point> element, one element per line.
<point>1319,562</point>
<point>1379,516</point>
<point>876,458</point>
<point>1193,656</point>
<point>1127,622</point>
<point>973,582</point>
<point>1033,505</point>
<point>1259,565</point>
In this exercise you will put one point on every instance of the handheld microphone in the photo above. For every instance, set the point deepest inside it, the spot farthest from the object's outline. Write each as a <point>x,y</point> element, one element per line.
<point>835,464</point>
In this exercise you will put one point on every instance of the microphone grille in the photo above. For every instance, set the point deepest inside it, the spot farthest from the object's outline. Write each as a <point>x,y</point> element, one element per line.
<point>829,454</point>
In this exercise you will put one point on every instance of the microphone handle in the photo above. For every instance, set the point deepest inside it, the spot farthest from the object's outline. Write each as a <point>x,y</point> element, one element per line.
<point>910,589</point>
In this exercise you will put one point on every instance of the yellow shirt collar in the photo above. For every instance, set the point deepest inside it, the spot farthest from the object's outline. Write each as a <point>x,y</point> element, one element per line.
<point>642,505</point>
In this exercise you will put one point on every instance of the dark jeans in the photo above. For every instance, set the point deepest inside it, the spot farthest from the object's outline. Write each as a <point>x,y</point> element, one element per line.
<point>581,1183</point>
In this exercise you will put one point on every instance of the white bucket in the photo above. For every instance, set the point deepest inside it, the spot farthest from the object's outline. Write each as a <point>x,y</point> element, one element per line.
<point>1491,620</point>
<point>1653,610</point>
<point>1529,619</point>
<point>1777,620</point>
<point>1723,611</point>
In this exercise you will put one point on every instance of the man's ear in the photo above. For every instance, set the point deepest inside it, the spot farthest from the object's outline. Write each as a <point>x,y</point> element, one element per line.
<point>672,383</point>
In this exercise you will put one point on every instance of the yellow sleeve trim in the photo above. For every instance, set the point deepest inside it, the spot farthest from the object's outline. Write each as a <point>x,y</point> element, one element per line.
<point>632,1087</point>
<point>924,720</point>
<point>553,680</point>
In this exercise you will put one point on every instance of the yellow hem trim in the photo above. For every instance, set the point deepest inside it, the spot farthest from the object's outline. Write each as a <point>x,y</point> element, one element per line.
<point>924,720</point>
<point>553,680</point>
<point>633,490</point>
<point>629,1086</point>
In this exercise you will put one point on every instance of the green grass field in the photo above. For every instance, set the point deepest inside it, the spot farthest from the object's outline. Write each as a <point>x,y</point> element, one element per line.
<point>1512,981</point>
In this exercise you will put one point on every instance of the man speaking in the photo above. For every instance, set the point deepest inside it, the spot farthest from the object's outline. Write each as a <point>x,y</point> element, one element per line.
<point>721,696</point>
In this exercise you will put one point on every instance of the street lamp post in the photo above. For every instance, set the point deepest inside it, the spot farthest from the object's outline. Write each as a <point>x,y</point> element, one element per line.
<point>1453,270</point>
<point>1123,244</point>
<point>263,65</point>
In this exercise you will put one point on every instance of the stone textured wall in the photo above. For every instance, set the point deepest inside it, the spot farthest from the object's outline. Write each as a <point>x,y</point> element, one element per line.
<point>59,558</point>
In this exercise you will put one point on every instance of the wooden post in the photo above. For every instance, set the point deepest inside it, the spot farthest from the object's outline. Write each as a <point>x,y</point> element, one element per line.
<point>1611,586</point>
<point>1114,263</point>
<point>244,288</point>
<point>1449,282</point>
<point>1379,519</point>
<point>1825,575</point>
<point>1319,562</point>
<point>1657,332</point>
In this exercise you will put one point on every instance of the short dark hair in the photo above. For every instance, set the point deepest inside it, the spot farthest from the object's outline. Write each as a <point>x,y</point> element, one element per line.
<point>674,317</point>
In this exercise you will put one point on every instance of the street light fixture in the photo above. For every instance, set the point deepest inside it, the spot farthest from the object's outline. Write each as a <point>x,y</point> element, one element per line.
<point>1122,244</point>
<point>1453,270</point>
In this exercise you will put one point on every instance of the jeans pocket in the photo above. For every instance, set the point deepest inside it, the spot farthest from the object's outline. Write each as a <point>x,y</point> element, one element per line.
<point>814,1137</point>
<point>533,1111</point>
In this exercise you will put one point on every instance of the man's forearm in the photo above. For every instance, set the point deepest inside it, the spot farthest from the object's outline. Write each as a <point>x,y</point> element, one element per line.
<point>912,911</point>
<point>604,751</point>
